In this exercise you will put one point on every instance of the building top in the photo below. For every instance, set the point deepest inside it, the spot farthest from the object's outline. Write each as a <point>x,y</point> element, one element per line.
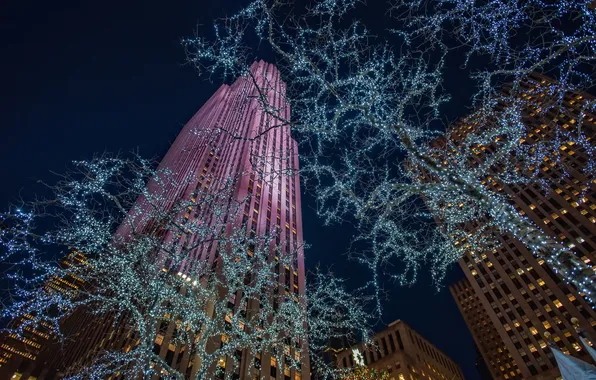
<point>402,352</point>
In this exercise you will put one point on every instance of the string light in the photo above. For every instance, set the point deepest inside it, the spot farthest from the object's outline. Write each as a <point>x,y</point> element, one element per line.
<point>150,274</point>
<point>367,118</point>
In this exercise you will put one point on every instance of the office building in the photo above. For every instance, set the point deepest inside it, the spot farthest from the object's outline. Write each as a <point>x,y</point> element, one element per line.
<point>19,351</point>
<point>510,298</point>
<point>403,353</point>
<point>485,333</point>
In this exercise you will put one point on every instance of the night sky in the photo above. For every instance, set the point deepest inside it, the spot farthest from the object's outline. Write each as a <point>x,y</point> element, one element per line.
<point>81,77</point>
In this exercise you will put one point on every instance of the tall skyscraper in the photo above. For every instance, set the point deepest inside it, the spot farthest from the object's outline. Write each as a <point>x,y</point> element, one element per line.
<point>229,138</point>
<point>510,298</point>
<point>403,353</point>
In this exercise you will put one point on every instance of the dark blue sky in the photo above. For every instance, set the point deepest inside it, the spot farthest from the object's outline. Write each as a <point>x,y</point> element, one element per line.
<point>82,77</point>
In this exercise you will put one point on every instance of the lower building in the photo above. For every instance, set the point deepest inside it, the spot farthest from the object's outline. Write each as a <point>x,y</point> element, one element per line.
<point>19,350</point>
<point>403,353</point>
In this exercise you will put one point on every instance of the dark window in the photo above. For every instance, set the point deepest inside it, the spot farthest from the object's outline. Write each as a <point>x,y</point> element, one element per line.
<point>391,343</point>
<point>399,342</point>
<point>169,357</point>
<point>385,351</point>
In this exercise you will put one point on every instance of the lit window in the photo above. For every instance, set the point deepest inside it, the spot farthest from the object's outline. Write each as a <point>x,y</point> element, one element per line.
<point>577,347</point>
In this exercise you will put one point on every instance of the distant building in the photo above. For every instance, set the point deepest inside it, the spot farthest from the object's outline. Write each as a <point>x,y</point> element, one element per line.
<point>335,346</point>
<point>19,351</point>
<point>403,353</point>
<point>509,298</point>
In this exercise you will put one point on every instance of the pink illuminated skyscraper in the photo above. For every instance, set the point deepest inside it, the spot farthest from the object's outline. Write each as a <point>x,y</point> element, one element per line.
<point>229,142</point>
<point>230,137</point>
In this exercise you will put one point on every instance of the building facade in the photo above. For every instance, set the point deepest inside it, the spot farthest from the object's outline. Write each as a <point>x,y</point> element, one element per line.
<point>485,333</point>
<point>510,298</point>
<point>403,353</point>
<point>19,351</point>
<point>229,138</point>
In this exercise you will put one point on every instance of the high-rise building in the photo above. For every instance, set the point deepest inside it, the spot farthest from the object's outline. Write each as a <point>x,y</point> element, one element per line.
<point>484,332</point>
<point>481,366</point>
<point>230,137</point>
<point>510,298</point>
<point>403,353</point>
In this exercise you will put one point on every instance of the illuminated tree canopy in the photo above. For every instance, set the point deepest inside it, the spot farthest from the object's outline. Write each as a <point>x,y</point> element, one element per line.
<point>368,113</point>
<point>129,279</point>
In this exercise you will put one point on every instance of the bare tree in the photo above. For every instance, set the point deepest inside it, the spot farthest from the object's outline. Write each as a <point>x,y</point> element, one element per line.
<point>153,283</point>
<point>367,112</point>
